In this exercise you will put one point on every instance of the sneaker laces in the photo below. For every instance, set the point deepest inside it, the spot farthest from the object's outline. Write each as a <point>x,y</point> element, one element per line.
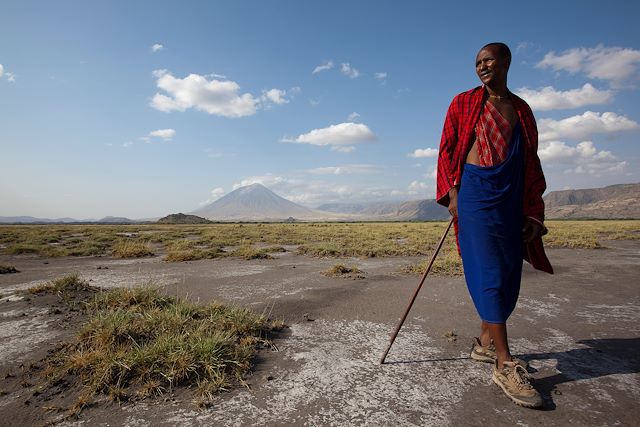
<point>520,376</point>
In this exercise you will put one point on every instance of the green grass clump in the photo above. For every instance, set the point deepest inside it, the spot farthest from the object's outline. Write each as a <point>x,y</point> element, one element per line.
<point>22,248</point>
<point>180,255</point>
<point>249,252</point>
<point>131,249</point>
<point>63,286</point>
<point>138,343</point>
<point>7,269</point>
<point>447,263</point>
<point>340,270</point>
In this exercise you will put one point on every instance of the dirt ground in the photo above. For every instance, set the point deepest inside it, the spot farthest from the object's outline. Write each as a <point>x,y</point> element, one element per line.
<point>579,329</point>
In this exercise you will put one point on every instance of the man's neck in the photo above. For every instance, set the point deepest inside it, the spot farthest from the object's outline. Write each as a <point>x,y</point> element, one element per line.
<point>498,90</point>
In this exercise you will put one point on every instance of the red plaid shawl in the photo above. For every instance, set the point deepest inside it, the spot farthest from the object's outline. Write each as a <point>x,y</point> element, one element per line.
<point>493,134</point>
<point>457,137</point>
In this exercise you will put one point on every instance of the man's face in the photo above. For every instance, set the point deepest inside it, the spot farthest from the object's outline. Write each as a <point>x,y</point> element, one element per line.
<point>491,68</point>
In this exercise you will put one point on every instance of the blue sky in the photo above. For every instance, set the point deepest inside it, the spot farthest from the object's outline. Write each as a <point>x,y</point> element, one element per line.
<point>141,109</point>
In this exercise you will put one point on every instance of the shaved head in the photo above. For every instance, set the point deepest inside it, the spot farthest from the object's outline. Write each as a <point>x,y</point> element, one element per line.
<point>502,50</point>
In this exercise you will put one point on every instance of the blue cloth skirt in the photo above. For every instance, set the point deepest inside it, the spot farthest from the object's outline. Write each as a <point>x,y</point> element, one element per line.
<point>490,224</point>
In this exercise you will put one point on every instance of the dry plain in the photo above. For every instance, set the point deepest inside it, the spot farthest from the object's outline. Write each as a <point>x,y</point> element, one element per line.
<point>579,329</point>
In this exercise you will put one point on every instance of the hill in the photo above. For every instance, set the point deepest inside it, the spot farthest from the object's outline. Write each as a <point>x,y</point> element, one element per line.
<point>614,201</point>
<point>181,218</point>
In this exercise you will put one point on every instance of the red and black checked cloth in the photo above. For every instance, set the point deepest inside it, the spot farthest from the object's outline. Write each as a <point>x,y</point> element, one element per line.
<point>458,135</point>
<point>493,135</point>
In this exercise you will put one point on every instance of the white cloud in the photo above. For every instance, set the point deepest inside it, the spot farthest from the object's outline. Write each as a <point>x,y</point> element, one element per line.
<point>127,144</point>
<point>326,66</point>
<point>615,64</point>
<point>349,71</point>
<point>344,148</point>
<point>424,152</point>
<point>583,126</point>
<point>344,170</point>
<point>276,96</point>
<point>380,76</point>
<point>548,98</point>
<point>216,97</point>
<point>353,116</point>
<point>268,180</point>
<point>314,102</point>
<point>164,134</point>
<point>340,137</point>
<point>416,186</point>
<point>522,46</point>
<point>216,193</point>
<point>157,47</point>
<point>9,76</point>
<point>583,158</point>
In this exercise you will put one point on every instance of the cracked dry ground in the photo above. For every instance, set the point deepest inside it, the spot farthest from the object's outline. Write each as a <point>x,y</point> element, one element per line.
<point>579,330</point>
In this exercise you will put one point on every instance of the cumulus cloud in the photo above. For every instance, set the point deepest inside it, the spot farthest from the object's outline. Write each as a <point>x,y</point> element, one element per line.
<point>583,158</point>
<point>549,98</point>
<point>353,116</point>
<point>164,134</point>
<point>209,94</point>
<point>340,137</point>
<point>1,70</point>
<point>584,125</point>
<point>424,152</point>
<point>614,64</point>
<point>380,76</point>
<point>349,71</point>
<point>323,67</point>
<point>157,47</point>
<point>344,170</point>
<point>276,96</point>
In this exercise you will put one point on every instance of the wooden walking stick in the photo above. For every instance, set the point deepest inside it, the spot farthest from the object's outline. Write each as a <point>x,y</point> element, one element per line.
<point>415,294</point>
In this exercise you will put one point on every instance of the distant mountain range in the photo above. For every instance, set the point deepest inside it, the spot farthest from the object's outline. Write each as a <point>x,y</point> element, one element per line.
<point>614,201</point>
<point>257,203</point>
<point>33,220</point>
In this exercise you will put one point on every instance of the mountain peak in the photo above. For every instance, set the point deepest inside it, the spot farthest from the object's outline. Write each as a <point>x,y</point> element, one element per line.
<point>253,202</point>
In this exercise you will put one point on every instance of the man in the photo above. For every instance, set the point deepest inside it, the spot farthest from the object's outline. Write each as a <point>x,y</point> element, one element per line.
<point>490,179</point>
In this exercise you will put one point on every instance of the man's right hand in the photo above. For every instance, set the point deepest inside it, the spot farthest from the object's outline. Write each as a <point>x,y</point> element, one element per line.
<point>453,202</point>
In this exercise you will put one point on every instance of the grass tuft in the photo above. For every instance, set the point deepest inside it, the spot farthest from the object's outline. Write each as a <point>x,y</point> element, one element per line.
<point>249,252</point>
<point>63,286</point>
<point>131,249</point>
<point>447,263</point>
<point>139,343</point>
<point>340,270</point>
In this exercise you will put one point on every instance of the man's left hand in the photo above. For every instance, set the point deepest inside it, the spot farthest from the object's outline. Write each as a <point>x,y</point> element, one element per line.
<point>530,230</point>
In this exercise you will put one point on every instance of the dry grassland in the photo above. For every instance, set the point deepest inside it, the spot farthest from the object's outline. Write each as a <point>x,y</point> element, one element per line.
<point>257,240</point>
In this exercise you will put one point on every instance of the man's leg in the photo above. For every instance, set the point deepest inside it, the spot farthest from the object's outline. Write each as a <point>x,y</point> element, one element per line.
<point>498,333</point>
<point>485,337</point>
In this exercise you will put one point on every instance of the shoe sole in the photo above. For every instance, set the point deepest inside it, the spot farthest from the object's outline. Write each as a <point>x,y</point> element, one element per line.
<point>481,358</point>
<point>515,399</point>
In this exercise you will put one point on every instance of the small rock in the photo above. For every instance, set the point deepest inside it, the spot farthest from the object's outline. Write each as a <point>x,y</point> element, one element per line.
<point>307,318</point>
<point>557,392</point>
<point>270,378</point>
